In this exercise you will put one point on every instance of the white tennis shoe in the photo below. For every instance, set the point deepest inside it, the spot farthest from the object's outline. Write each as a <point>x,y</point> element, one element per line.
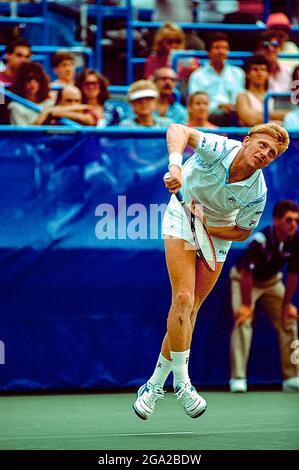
<point>238,385</point>
<point>291,384</point>
<point>193,404</point>
<point>147,396</point>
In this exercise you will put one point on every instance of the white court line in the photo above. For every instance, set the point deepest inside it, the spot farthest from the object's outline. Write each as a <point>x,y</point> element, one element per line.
<point>150,433</point>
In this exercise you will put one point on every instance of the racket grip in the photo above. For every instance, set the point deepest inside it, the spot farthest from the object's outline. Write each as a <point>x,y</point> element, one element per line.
<point>178,195</point>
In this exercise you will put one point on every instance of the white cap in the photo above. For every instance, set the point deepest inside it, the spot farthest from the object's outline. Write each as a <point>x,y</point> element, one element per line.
<point>148,93</point>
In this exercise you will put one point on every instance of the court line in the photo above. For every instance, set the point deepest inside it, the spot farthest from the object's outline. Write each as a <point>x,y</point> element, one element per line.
<point>80,436</point>
<point>150,433</point>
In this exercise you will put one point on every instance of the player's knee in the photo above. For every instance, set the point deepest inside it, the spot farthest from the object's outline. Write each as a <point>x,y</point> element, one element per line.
<point>183,300</point>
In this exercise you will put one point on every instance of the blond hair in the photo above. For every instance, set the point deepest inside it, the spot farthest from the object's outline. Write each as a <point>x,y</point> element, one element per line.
<point>168,30</point>
<point>275,131</point>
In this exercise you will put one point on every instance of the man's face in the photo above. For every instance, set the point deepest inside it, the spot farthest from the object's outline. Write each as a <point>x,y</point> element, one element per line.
<point>288,224</point>
<point>219,51</point>
<point>19,55</point>
<point>259,150</point>
<point>165,81</point>
<point>144,106</point>
<point>70,96</point>
<point>65,71</point>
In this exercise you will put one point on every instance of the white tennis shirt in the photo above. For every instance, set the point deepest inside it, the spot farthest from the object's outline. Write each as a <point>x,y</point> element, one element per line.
<point>205,179</point>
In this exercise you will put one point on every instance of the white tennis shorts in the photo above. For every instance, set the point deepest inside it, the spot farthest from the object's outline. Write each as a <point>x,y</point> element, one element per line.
<point>175,224</point>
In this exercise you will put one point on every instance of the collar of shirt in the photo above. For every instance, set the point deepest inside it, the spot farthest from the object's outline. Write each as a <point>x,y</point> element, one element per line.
<point>227,161</point>
<point>211,69</point>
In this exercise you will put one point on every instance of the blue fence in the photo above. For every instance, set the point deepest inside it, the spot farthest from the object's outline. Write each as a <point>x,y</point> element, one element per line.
<point>80,309</point>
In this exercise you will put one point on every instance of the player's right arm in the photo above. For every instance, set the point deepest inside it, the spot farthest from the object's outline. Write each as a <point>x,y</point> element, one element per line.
<point>177,138</point>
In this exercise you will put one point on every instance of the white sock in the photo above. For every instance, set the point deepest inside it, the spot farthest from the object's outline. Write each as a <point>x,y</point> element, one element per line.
<point>161,372</point>
<point>180,367</point>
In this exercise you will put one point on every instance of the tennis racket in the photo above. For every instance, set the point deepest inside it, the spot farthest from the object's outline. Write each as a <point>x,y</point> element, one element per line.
<point>202,239</point>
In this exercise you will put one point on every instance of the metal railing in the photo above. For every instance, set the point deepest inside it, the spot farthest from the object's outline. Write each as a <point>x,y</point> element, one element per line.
<point>272,94</point>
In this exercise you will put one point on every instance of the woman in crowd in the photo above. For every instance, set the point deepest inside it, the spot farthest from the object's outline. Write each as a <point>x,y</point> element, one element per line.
<point>167,39</point>
<point>198,111</point>
<point>94,89</point>
<point>32,83</point>
<point>250,104</point>
<point>270,46</point>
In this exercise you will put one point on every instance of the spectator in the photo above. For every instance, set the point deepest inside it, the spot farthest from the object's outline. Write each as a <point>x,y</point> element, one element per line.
<point>69,105</point>
<point>174,10</point>
<point>270,46</point>
<point>165,80</point>
<point>222,81</point>
<point>142,96</point>
<point>32,83</point>
<point>94,89</point>
<point>167,39</point>
<point>63,63</point>
<point>198,111</point>
<point>257,279</point>
<point>250,103</point>
<point>291,119</point>
<point>16,53</point>
<point>279,24</point>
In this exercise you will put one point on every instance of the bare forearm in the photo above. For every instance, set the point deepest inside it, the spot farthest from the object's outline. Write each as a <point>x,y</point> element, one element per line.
<point>232,233</point>
<point>278,115</point>
<point>81,118</point>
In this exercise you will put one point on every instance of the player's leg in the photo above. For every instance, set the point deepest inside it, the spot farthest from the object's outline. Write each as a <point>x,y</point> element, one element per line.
<point>182,270</point>
<point>205,281</point>
<point>194,404</point>
<point>181,264</point>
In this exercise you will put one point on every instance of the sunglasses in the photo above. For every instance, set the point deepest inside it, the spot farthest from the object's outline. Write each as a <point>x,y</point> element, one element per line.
<point>289,220</point>
<point>271,43</point>
<point>91,83</point>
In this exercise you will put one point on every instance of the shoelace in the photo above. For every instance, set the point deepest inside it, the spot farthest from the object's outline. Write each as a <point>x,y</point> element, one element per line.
<point>157,393</point>
<point>180,392</point>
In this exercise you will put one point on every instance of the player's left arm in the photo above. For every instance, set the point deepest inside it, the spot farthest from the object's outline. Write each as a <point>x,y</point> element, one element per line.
<point>232,233</point>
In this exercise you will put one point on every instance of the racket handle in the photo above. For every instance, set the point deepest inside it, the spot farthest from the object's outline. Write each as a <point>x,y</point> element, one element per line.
<point>178,195</point>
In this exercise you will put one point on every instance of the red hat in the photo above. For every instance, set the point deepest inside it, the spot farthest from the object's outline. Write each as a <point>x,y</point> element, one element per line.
<point>278,19</point>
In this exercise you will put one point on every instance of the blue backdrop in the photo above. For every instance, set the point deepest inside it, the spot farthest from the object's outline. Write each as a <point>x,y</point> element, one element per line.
<point>80,311</point>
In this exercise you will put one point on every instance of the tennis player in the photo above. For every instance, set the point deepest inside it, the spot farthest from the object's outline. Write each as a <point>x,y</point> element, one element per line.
<point>226,176</point>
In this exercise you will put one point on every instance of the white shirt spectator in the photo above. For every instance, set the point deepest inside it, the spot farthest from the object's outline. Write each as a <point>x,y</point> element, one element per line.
<point>222,88</point>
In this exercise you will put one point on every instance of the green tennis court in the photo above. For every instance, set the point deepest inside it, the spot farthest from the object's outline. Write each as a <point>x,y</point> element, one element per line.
<point>255,420</point>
